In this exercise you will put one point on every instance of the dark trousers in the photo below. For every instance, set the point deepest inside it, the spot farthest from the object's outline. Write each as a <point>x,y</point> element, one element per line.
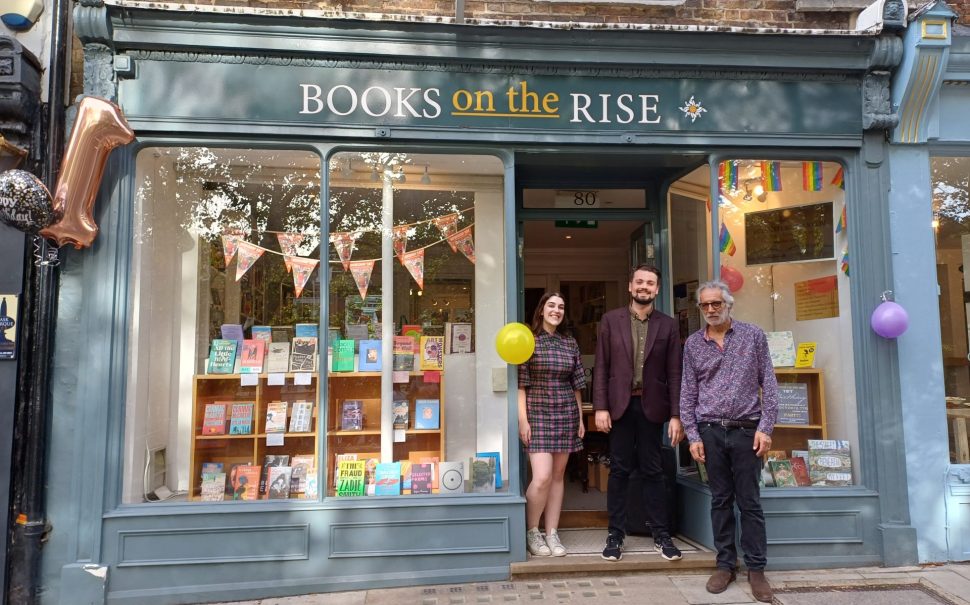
<point>733,470</point>
<point>635,445</point>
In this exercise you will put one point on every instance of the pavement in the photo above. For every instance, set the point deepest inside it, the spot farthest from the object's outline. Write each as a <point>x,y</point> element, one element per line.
<point>918,585</point>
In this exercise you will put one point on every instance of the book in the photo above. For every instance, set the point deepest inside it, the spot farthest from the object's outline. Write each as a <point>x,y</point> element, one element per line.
<point>337,459</point>
<point>803,454</point>
<point>776,455</point>
<point>406,474</point>
<point>343,355</point>
<point>241,419</point>
<point>307,331</point>
<point>301,415</point>
<point>222,356</point>
<point>352,415</point>
<point>370,356</point>
<point>232,332</point>
<point>400,411</point>
<point>311,490</point>
<point>245,481</point>
<point>213,487</point>
<point>481,476</point>
<point>421,478</point>
<point>278,358</point>
<point>498,465</point>
<point>271,461</point>
<point>279,482</point>
<point>404,348</point>
<point>212,467</point>
<point>829,462</point>
<point>263,334</point>
<point>350,478</point>
<point>781,471</point>
<point>431,457</point>
<point>251,356</point>
<point>276,417</point>
<point>303,354</point>
<point>781,347</point>
<point>370,473</point>
<point>767,479</point>
<point>388,479</point>
<point>214,420</point>
<point>799,469</point>
<point>792,403</point>
<point>805,356</point>
<point>432,352</point>
<point>426,414</point>
<point>451,478</point>
<point>413,330</point>
<point>300,463</point>
<point>459,338</point>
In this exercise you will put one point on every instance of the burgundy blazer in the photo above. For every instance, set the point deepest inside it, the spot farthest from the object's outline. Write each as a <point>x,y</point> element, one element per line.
<point>613,372</point>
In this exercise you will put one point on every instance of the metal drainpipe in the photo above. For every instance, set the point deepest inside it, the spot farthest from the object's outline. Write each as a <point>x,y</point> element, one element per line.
<point>41,280</point>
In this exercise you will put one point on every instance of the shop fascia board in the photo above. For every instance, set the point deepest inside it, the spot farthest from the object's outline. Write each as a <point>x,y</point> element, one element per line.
<point>958,66</point>
<point>250,34</point>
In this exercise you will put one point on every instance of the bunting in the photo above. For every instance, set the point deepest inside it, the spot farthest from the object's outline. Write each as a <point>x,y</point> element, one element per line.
<point>361,270</point>
<point>771,176</point>
<point>839,179</point>
<point>400,241</point>
<point>343,242</point>
<point>462,240</point>
<point>414,262</point>
<point>230,240</point>
<point>448,225</point>
<point>843,222</point>
<point>288,243</point>
<point>302,268</point>
<point>812,176</point>
<point>726,241</point>
<point>248,254</point>
<point>729,176</point>
<point>845,261</point>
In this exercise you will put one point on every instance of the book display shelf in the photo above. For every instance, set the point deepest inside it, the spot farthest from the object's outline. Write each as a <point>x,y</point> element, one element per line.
<point>791,436</point>
<point>234,440</point>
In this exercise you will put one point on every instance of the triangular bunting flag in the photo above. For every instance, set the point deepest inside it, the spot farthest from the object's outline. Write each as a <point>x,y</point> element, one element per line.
<point>361,271</point>
<point>839,179</point>
<point>344,242</point>
<point>463,241</point>
<point>726,241</point>
<point>414,261</point>
<point>400,241</point>
<point>845,261</point>
<point>288,243</point>
<point>230,240</point>
<point>248,254</point>
<point>843,222</point>
<point>448,226</point>
<point>302,268</point>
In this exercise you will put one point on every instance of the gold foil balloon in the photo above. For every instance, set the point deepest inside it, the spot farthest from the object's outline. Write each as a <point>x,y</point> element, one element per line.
<point>99,128</point>
<point>25,203</point>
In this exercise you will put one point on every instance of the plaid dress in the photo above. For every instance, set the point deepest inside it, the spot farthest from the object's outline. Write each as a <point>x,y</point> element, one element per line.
<point>550,379</point>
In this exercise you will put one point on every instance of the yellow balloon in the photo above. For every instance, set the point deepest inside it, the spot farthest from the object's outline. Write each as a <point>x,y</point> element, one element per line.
<point>515,343</point>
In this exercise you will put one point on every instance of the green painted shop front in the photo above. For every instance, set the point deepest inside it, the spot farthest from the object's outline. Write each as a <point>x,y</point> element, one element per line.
<point>674,102</point>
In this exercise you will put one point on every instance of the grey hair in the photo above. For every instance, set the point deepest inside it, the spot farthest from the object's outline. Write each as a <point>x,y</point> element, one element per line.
<point>717,285</point>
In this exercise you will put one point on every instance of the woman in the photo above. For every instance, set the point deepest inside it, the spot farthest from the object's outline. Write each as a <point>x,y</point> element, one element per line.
<point>550,413</point>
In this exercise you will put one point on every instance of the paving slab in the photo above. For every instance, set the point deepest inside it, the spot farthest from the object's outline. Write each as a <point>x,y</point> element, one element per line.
<point>694,590</point>
<point>910,596</point>
<point>948,583</point>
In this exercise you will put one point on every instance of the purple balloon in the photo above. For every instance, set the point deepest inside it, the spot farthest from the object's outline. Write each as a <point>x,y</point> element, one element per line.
<point>889,320</point>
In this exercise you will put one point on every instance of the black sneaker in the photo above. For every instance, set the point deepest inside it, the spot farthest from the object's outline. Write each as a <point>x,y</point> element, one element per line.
<point>665,546</point>
<point>614,548</point>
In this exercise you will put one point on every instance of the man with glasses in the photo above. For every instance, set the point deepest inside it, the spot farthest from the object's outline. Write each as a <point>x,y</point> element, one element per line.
<point>636,389</point>
<point>728,404</point>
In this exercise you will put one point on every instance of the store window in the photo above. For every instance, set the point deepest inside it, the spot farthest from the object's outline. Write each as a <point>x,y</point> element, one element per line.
<point>951,224</point>
<point>782,248</point>
<point>416,294</point>
<point>222,405</point>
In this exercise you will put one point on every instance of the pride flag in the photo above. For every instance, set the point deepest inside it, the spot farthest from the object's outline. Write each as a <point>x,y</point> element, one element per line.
<point>771,175</point>
<point>839,179</point>
<point>812,176</point>
<point>726,241</point>
<point>729,176</point>
<point>845,261</point>
<point>843,222</point>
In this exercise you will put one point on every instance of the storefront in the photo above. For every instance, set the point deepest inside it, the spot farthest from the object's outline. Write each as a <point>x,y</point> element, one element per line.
<point>482,164</point>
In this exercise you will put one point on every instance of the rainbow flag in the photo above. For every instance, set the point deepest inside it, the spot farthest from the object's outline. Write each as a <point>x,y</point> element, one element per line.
<point>845,261</point>
<point>771,176</point>
<point>812,176</point>
<point>843,222</point>
<point>839,179</point>
<point>726,241</point>
<point>729,176</point>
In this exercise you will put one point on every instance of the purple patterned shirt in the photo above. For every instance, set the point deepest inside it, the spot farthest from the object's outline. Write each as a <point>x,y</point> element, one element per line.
<point>723,384</point>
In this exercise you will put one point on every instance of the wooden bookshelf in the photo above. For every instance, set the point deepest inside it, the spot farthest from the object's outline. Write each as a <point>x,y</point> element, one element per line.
<point>795,436</point>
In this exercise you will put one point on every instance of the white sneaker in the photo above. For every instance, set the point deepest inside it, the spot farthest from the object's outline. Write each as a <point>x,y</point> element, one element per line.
<point>536,543</point>
<point>555,546</point>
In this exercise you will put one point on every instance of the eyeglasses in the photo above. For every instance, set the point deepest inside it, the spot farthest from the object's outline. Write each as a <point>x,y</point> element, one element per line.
<point>715,305</point>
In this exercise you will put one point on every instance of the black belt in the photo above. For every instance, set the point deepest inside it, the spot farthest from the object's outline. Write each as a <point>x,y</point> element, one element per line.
<point>731,424</point>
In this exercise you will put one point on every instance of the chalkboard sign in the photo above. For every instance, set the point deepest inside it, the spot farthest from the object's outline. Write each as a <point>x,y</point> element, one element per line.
<point>785,235</point>
<point>792,403</point>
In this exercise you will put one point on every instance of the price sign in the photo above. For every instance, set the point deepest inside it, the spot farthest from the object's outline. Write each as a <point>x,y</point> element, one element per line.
<point>805,355</point>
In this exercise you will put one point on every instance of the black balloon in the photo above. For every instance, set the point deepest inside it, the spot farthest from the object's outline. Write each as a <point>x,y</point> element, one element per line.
<point>25,203</point>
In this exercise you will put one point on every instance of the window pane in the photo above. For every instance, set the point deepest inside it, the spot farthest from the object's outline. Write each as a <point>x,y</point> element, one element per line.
<point>214,309</point>
<point>410,410</point>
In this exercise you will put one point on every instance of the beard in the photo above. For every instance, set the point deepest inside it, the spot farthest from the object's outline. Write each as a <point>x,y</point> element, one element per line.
<point>717,320</point>
<point>643,298</point>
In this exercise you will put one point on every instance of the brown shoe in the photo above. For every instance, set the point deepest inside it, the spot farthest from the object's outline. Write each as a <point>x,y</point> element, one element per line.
<point>719,581</point>
<point>759,585</point>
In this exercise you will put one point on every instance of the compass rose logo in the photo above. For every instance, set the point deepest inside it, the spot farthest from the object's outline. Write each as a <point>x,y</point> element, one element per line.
<point>692,109</point>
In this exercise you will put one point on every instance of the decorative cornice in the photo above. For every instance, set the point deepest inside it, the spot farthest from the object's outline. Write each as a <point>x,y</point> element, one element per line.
<point>91,22</point>
<point>887,52</point>
<point>877,111</point>
<point>99,75</point>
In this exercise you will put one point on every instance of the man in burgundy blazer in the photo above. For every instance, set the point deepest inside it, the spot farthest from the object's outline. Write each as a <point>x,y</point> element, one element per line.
<point>632,407</point>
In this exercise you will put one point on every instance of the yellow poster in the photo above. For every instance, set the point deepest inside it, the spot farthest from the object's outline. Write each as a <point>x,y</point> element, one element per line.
<point>817,298</point>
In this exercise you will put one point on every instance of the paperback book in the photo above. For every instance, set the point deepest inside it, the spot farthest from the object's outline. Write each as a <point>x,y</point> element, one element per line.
<point>482,475</point>
<point>214,421</point>
<point>388,479</point>
<point>337,459</point>
<point>222,356</point>
<point>303,354</point>
<point>792,403</point>
<point>307,331</point>
<point>400,413</point>
<point>452,477</point>
<point>350,478</point>
<point>301,416</point>
<point>312,487</point>
<point>263,334</point>
<point>799,469</point>
<point>370,473</point>
<point>404,349</point>
<point>370,356</point>
<point>271,461</point>
<point>212,467</point>
<point>431,457</point>
<point>213,487</point>
<point>497,465</point>
<point>352,415</point>
<point>426,414</point>
<point>232,332</point>
<point>432,352</point>
<point>278,358</point>
<point>406,474</point>
<point>251,357</point>
<point>279,482</point>
<point>276,417</point>
<point>301,464</point>
<point>421,478</point>
<point>829,462</point>
<point>241,419</point>
<point>781,348</point>
<point>343,355</point>
<point>781,471</point>
<point>245,482</point>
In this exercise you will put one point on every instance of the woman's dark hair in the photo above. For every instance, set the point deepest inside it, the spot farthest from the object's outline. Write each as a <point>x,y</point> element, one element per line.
<point>564,328</point>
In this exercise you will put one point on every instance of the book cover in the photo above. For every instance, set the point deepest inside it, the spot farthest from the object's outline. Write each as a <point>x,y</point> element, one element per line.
<point>388,479</point>
<point>307,331</point>
<point>421,478</point>
<point>232,332</point>
<point>406,474</point>
<point>301,416</point>
<point>781,347</point>
<point>245,482</point>
<point>431,457</point>
<point>370,473</point>
<point>222,356</point>
<point>829,462</point>
<point>498,465</point>
<point>271,461</point>
<point>213,487</point>
<point>781,471</point>
<point>451,477</point>
<point>792,403</point>
<point>799,469</point>
<point>214,421</point>
<point>212,467</point>
<point>279,482</point>
<point>263,334</point>
<point>251,357</point>
<point>776,455</point>
<point>413,330</point>
<point>400,411</point>
<point>300,463</point>
<point>803,454</point>
<point>350,478</point>
<point>426,414</point>
<point>343,355</point>
<point>276,417</point>
<point>370,356</point>
<point>278,358</point>
<point>337,459</point>
<point>432,352</point>
<point>481,475</point>
<point>805,356</point>
<point>460,339</point>
<point>352,415</point>
<point>303,354</point>
<point>404,349</point>
<point>311,491</point>
<point>241,419</point>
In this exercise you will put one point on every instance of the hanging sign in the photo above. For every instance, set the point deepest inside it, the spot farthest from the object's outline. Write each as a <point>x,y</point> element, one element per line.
<point>361,270</point>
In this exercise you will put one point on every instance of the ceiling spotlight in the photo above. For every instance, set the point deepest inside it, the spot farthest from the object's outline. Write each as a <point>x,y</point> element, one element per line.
<point>754,189</point>
<point>425,178</point>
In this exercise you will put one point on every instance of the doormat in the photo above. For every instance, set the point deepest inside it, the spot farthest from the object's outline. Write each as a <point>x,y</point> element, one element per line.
<point>889,594</point>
